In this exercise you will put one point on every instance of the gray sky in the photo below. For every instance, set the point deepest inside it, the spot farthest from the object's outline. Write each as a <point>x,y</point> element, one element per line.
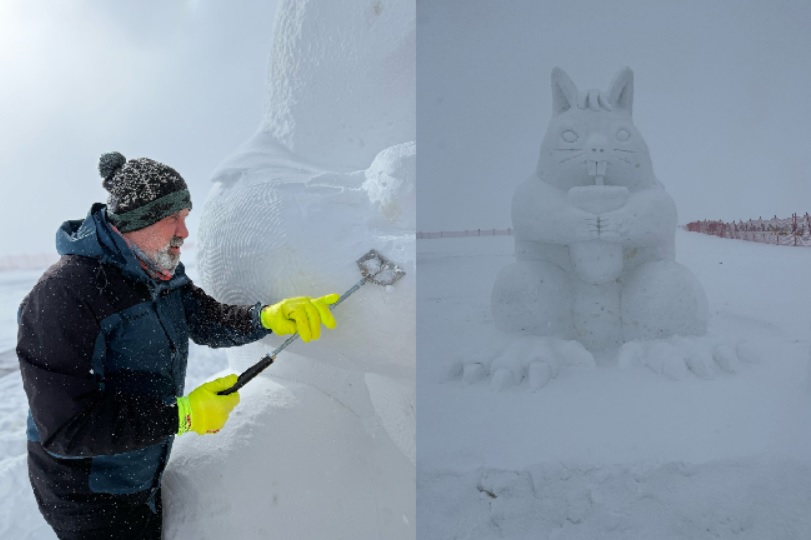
<point>177,81</point>
<point>721,97</point>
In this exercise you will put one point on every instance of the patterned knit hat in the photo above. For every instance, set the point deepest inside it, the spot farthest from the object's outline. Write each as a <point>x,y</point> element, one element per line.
<point>142,191</point>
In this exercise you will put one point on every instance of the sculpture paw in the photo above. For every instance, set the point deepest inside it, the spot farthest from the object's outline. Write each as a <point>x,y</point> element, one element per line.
<point>680,357</point>
<point>537,360</point>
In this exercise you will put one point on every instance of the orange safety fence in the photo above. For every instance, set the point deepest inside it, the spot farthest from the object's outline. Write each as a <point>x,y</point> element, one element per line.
<point>464,234</point>
<point>793,231</point>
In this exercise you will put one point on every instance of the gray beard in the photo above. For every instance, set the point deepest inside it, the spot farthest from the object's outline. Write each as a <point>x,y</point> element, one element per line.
<point>165,260</point>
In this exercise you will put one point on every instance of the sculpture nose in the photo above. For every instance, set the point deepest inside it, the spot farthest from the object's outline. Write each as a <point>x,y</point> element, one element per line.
<point>595,146</point>
<point>596,163</point>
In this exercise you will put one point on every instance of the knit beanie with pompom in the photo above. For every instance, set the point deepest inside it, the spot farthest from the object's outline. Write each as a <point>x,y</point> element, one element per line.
<point>142,191</point>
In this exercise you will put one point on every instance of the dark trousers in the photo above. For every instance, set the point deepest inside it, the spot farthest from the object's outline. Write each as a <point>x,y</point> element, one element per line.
<point>119,521</point>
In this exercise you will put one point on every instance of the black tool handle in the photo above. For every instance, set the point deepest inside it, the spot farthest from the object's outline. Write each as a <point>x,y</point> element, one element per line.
<point>249,374</point>
<point>268,359</point>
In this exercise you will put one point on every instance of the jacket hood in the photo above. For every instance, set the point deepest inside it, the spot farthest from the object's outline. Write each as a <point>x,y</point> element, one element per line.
<point>94,237</point>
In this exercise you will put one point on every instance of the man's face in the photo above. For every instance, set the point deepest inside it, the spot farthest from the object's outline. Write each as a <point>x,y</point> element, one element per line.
<point>161,241</point>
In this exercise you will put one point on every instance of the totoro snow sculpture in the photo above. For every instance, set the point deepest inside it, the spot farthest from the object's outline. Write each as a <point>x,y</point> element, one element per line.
<point>595,232</point>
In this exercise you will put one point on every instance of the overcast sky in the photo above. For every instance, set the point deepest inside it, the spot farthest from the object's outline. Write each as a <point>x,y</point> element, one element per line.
<point>721,97</point>
<point>179,81</point>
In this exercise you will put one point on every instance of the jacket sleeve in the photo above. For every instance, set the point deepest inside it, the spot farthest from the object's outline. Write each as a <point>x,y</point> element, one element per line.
<point>220,325</point>
<point>58,336</point>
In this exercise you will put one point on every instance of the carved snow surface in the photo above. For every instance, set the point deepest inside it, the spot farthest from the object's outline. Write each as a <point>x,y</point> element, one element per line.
<point>341,86</point>
<point>281,231</point>
<point>534,361</point>
<point>323,443</point>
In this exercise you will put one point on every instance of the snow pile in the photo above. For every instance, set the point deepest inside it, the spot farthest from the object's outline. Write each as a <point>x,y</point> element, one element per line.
<point>323,443</point>
<point>391,182</point>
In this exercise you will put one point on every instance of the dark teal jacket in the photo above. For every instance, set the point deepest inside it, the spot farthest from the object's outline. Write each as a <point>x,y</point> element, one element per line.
<point>103,350</point>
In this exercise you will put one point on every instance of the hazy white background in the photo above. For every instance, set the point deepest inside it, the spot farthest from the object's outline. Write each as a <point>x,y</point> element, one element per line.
<point>721,97</point>
<point>179,81</point>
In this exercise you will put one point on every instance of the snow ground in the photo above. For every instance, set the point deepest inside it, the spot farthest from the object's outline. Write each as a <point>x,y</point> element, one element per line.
<point>610,452</point>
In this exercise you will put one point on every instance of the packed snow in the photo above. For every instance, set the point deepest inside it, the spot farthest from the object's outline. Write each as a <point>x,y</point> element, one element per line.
<point>617,450</point>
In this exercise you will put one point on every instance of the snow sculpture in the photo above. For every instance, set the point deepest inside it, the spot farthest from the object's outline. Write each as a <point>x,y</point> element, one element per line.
<point>323,444</point>
<point>595,232</point>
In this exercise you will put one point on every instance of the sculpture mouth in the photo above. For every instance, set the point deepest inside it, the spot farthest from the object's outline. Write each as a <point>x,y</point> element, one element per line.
<point>597,170</point>
<point>598,199</point>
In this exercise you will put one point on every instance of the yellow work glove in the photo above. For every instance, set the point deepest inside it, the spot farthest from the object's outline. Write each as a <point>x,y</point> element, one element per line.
<point>300,314</point>
<point>204,410</point>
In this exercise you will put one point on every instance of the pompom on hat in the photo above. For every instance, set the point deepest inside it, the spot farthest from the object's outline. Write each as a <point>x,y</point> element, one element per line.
<point>142,191</point>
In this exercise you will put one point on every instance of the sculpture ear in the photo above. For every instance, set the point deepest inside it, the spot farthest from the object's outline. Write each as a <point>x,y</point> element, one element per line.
<point>621,91</point>
<point>564,92</point>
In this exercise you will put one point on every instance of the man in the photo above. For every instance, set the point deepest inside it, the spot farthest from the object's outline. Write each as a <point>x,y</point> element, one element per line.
<point>103,343</point>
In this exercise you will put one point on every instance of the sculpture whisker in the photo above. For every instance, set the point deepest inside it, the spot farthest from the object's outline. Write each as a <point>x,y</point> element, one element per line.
<point>628,161</point>
<point>571,157</point>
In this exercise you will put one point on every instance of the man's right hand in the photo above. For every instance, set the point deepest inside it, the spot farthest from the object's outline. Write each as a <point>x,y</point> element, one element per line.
<point>204,410</point>
<point>301,314</point>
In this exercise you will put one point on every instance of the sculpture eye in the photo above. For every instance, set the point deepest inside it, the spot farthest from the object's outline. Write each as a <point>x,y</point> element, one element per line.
<point>569,135</point>
<point>623,135</point>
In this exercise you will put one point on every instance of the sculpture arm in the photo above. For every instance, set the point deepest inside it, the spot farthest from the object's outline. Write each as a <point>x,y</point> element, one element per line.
<point>542,213</point>
<point>647,219</point>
